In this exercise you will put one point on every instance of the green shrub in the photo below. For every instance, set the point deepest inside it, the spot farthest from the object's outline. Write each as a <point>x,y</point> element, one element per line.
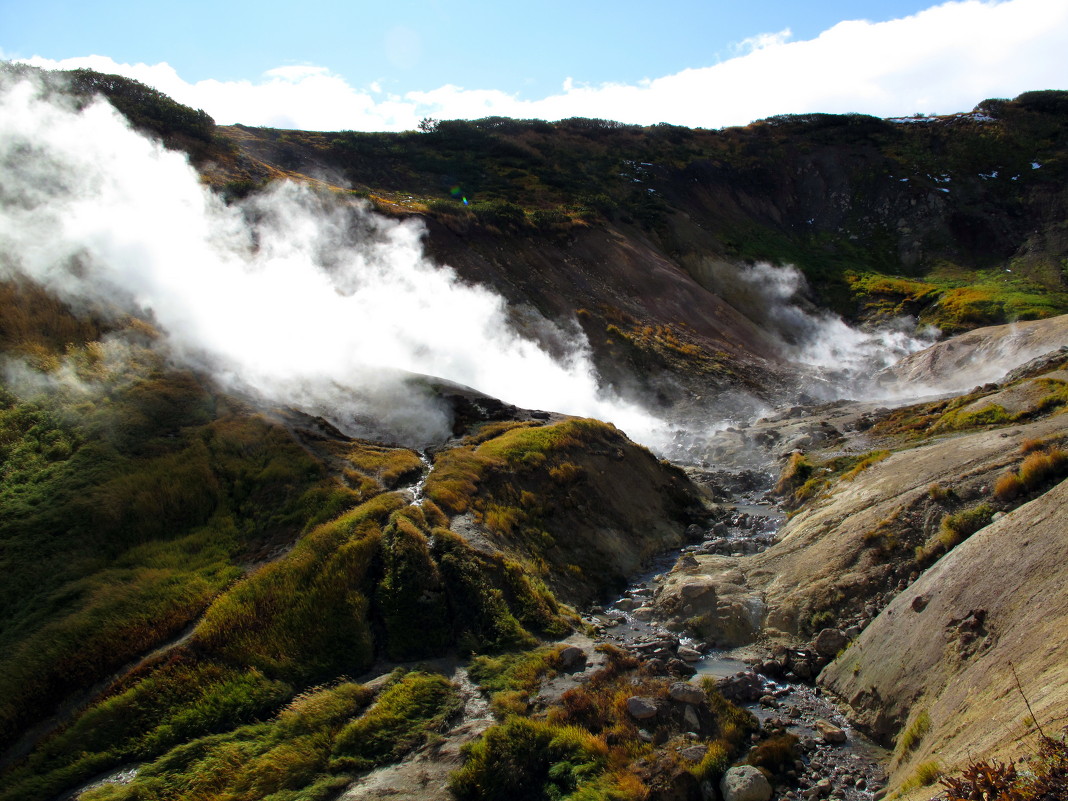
<point>527,760</point>
<point>402,718</point>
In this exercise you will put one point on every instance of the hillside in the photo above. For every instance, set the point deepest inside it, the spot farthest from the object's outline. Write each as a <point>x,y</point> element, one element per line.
<point>642,235</point>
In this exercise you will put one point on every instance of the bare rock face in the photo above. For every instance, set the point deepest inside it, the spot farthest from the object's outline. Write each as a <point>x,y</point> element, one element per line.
<point>945,649</point>
<point>745,783</point>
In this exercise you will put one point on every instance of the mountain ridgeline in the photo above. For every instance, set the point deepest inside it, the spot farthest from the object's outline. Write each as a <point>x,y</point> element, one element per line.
<point>209,595</point>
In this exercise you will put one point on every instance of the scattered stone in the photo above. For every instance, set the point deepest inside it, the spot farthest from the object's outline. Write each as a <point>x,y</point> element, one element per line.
<point>741,687</point>
<point>769,701</point>
<point>829,733</point>
<point>690,719</point>
<point>694,753</point>
<point>745,783</point>
<point>641,708</point>
<point>686,693</point>
<point>689,654</point>
<point>677,667</point>
<point>572,658</point>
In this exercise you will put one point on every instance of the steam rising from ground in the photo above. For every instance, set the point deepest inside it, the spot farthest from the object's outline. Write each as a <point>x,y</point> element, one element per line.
<point>845,358</point>
<point>303,297</point>
<point>309,299</point>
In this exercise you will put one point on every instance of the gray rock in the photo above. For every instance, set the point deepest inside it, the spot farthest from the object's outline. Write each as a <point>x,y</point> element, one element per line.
<point>572,658</point>
<point>688,654</point>
<point>741,687</point>
<point>829,642</point>
<point>745,783</point>
<point>625,604</point>
<point>694,753</point>
<point>686,693</point>
<point>641,708</point>
<point>677,667</point>
<point>643,613</point>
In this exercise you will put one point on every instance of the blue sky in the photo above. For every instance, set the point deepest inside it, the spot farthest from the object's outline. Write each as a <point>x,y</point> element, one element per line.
<point>375,65</point>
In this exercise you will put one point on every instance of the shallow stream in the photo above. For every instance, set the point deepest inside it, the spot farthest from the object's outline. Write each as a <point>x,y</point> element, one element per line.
<point>850,771</point>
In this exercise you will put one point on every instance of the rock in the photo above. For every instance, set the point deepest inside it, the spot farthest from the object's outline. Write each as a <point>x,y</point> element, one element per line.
<point>829,642</point>
<point>689,717</point>
<point>686,693</point>
<point>830,733</point>
<point>689,654</point>
<point>770,668</point>
<point>625,604</point>
<point>769,701</point>
<point>694,753</point>
<point>741,687</point>
<point>642,613</point>
<point>696,589</point>
<point>572,658</point>
<point>745,783</point>
<point>677,667</point>
<point>919,603</point>
<point>641,708</point>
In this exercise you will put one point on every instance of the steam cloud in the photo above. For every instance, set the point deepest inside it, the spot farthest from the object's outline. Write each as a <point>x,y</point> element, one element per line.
<point>304,298</point>
<point>844,358</point>
<point>312,300</point>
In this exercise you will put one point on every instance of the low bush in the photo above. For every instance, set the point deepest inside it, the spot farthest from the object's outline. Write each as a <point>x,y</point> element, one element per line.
<point>528,760</point>
<point>402,718</point>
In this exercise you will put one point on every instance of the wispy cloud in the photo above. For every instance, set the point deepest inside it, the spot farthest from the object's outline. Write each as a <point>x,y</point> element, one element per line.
<point>941,60</point>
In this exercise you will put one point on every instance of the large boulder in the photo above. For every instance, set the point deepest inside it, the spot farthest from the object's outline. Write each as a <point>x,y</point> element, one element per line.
<point>745,783</point>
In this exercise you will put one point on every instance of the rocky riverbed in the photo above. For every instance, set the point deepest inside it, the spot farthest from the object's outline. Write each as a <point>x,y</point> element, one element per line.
<point>774,683</point>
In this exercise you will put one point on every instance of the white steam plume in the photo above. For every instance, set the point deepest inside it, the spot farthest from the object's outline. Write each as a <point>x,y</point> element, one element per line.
<point>302,297</point>
<point>845,359</point>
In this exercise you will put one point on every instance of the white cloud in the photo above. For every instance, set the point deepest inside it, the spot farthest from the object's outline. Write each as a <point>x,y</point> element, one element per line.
<point>944,59</point>
<point>763,40</point>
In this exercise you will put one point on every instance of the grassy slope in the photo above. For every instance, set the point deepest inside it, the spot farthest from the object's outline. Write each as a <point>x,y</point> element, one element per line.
<point>138,501</point>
